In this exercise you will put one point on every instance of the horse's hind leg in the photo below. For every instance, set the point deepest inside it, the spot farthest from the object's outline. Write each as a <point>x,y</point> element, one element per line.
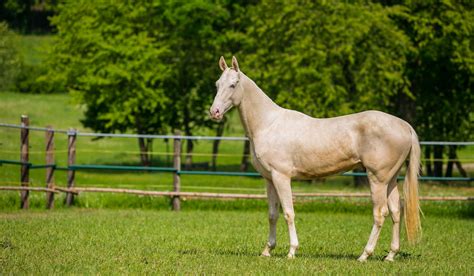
<point>394,206</point>
<point>378,191</point>
<point>273,213</point>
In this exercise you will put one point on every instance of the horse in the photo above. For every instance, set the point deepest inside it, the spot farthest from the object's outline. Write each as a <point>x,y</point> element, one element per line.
<point>287,144</point>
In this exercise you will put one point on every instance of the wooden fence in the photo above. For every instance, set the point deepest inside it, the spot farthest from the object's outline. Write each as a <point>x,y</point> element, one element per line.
<point>71,190</point>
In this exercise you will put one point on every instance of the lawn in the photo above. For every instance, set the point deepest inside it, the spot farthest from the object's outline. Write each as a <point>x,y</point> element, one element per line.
<point>134,241</point>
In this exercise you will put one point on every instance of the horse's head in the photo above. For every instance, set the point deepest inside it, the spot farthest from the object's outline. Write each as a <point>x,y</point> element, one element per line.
<point>229,90</point>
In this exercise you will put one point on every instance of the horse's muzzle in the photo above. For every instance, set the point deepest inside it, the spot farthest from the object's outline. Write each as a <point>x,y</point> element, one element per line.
<point>216,114</point>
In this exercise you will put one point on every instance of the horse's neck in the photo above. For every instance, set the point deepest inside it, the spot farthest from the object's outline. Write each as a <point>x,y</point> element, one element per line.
<point>256,109</point>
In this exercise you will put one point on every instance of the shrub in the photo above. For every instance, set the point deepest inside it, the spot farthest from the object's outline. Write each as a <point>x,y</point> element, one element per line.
<point>9,58</point>
<point>37,79</point>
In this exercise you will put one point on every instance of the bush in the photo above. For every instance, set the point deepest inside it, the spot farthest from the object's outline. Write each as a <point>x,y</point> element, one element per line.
<point>9,58</point>
<point>37,79</point>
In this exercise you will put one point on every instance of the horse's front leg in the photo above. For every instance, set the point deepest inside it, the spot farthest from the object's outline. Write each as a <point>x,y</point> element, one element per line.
<point>273,213</point>
<point>282,184</point>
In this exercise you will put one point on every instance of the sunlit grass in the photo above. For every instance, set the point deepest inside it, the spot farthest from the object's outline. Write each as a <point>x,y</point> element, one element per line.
<point>85,241</point>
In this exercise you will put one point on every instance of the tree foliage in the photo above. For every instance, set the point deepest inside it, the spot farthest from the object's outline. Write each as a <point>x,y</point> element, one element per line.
<point>10,59</point>
<point>147,66</point>
<point>441,69</point>
<point>328,59</point>
<point>113,63</point>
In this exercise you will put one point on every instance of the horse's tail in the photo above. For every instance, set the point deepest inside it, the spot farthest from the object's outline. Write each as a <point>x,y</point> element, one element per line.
<point>410,190</point>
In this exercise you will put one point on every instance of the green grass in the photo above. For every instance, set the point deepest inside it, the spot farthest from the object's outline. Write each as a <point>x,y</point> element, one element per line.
<point>89,241</point>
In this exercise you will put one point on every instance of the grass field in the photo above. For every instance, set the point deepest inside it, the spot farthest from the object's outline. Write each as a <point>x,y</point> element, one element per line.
<point>89,241</point>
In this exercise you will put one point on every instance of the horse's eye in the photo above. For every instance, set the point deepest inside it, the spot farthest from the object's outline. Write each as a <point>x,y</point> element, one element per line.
<point>232,86</point>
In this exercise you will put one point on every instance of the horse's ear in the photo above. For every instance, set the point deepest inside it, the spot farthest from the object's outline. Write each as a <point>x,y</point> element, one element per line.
<point>235,64</point>
<point>222,63</point>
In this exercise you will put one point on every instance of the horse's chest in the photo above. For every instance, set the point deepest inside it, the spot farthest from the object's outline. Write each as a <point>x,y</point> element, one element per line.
<point>260,160</point>
<point>269,157</point>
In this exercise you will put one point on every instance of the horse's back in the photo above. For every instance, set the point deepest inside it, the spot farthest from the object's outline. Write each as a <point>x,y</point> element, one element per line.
<point>373,125</point>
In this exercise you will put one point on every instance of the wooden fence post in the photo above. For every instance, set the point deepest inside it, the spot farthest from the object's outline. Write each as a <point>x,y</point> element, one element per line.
<point>176,178</point>
<point>25,168</point>
<point>49,170</point>
<point>71,159</point>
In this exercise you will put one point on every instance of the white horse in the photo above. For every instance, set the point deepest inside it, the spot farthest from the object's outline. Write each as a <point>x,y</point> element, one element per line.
<point>287,144</point>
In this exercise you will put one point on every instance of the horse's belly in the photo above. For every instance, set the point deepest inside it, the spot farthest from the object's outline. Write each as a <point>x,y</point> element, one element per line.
<point>320,167</point>
<point>318,171</point>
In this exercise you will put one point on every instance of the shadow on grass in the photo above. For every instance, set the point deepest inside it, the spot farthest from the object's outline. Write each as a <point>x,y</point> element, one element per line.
<point>221,252</point>
<point>319,255</point>
<point>322,255</point>
<point>238,252</point>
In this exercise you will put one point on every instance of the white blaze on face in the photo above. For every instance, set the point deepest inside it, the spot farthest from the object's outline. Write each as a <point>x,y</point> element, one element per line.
<point>225,99</point>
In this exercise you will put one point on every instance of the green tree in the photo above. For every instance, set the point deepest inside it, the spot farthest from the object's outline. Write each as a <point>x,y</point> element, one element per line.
<point>149,66</point>
<point>440,69</point>
<point>9,57</point>
<point>199,32</point>
<point>112,59</point>
<point>192,29</point>
<point>328,59</point>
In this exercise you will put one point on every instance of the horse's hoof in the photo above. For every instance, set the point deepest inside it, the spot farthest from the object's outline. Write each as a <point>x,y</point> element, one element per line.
<point>388,259</point>
<point>290,256</point>
<point>363,257</point>
<point>265,254</point>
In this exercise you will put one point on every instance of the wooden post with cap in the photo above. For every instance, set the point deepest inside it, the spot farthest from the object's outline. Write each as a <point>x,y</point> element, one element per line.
<point>176,204</point>
<point>24,157</point>
<point>71,159</point>
<point>49,135</point>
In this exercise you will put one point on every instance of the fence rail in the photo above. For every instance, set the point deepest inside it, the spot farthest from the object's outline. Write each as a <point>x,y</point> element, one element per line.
<point>185,172</point>
<point>184,137</point>
<point>71,190</point>
<point>214,195</point>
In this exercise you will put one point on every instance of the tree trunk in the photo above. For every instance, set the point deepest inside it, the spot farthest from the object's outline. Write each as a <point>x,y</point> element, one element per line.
<point>215,146</point>
<point>451,158</point>
<point>360,181</point>
<point>188,160</point>
<point>429,170</point>
<point>145,146</point>
<point>167,145</point>
<point>460,168</point>
<point>453,161</point>
<point>406,107</point>
<point>438,161</point>
<point>244,165</point>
